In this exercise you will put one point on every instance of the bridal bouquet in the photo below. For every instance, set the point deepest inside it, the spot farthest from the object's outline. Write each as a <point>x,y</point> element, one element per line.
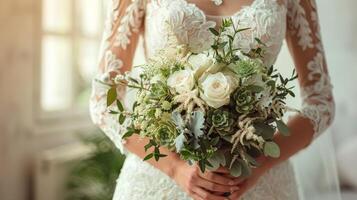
<point>221,107</point>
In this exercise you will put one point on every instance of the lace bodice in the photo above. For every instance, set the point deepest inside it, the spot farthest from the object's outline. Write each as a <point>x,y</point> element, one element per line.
<point>265,18</point>
<point>272,21</point>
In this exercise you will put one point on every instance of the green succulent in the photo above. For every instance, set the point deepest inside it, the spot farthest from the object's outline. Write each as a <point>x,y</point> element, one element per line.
<point>221,120</point>
<point>244,100</point>
<point>165,132</point>
<point>159,90</point>
<point>246,68</point>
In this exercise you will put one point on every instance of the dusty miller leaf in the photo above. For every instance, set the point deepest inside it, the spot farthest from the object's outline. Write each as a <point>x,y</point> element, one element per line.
<point>179,142</point>
<point>197,123</point>
<point>177,119</point>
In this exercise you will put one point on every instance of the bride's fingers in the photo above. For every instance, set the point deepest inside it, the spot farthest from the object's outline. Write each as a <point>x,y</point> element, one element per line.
<point>206,195</point>
<point>237,194</point>
<point>222,170</point>
<point>219,178</point>
<point>208,185</point>
<point>195,196</point>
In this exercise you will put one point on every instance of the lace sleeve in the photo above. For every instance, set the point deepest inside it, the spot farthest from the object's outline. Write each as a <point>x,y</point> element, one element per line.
<point>304,41</point>
<point>122,27</point>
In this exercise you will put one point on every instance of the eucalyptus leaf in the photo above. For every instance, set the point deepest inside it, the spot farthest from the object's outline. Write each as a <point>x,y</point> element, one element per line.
<point>156,153</point>
<point>251,160</point>
<point>121,119</point>
<point>255,88</point>
<point>217,159</point>
<point>236,169</point>
<point>222,45</point>
<point>135,104</point>
<point>113,112</point>
<point>148,146</point>
<point>133,80</point>
<point>246,170</point>
<point>214,31</point>
<point>215,141</point>
<point>202,165</point>
<point>265,130</point>
<point>260,42</point>
<point>128,134</point>
<point>283,128</point>
<point>111,96</point>
<point>120,106</point>
<point>148,156</point>
<point>271,149</point>
<point>227,138</point>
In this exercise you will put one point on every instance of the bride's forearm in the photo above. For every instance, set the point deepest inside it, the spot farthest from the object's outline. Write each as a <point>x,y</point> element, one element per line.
<point>135,144</point>
<point>301,134</point>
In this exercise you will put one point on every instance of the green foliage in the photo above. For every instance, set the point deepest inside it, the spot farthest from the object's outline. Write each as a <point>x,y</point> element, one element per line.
<point>111,96</point>
<point>93,178</point>
<point>216,160</point>
<point>283,128</point>
<point>265,130</point>
<point>236,169</point>
<point>271,149</point>
<point>234,134</point>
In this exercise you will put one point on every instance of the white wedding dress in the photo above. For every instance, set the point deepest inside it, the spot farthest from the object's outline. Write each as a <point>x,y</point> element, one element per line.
<point>270,20</point>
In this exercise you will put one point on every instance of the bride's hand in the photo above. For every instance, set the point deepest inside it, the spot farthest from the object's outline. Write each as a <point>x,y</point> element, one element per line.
<point>204,186</point>
<point>251,181</point>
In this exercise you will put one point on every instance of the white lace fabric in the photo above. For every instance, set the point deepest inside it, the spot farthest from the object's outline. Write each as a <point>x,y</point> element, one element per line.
<point>305,42</point>
<point>269,20</point>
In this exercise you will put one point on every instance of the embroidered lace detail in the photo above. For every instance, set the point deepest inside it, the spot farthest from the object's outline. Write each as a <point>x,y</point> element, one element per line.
<point>185,21</point>
<point>318,105</point>
<point>266,21</point>
<point>100,115</point>
<point>111,17</point>
<point>300,24</point>
<point>130,22</point>
<point>125,20</point>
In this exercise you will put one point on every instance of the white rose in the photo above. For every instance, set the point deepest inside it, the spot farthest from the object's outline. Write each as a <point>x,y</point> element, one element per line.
<point>182,81</point>
<point>203,63</point>
<point>217,89</point>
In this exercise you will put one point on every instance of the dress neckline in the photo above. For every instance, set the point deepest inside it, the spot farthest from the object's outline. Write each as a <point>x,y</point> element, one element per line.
<point>238,12</point>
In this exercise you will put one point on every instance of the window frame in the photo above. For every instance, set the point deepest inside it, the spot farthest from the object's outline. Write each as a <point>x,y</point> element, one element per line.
<point>69,119</point>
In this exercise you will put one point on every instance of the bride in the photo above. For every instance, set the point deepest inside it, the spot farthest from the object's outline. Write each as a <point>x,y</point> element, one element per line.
<point>272,21</point>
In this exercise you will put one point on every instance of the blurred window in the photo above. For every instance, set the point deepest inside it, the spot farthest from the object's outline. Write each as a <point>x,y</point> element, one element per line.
<point>70,38</point>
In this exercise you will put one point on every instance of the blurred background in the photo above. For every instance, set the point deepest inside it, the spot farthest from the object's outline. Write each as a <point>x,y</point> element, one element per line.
<point>49,149</point>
